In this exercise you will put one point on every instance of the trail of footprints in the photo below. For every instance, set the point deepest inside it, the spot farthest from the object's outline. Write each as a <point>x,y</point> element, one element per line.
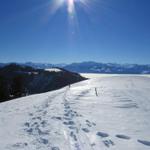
<point>37,126</point>
<point>69,117</point>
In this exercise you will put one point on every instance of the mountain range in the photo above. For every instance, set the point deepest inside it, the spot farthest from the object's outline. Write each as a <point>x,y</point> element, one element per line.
<point>94,67</point>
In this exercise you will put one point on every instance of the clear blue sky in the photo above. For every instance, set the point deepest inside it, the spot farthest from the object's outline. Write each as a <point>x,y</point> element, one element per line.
<point>106,31</point>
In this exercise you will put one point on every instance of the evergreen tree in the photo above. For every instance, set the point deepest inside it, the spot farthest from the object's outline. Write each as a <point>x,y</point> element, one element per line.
<point>17,88</point>
<point>4,90</point>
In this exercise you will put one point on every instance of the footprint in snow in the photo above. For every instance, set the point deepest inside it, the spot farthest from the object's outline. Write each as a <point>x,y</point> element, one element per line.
<point>94,124</point>
<point>45,112</point>
<point>108,143</point>
<point>37,118</point>
<point>66,114</point>
<point>77,146</point>
<point>73,128</point>
<point>102,134</point>
<point>72,134</point>
<point>29,131</point>
<point>69,123</point>
<point>93,144</point>
<point>20,145</point>
<point>147,143</point>
<point>35,124</point>
<point>44,122</point>
<point>67,118</point>
<point>57,118</point>
<point>43,141</point>
<point>86,130</point>
<point>40,132</point>
<point>27,124</point>
<point>121,136</point>
<point>55,148</point>
<point>90,124</point>
<point>30,114</point>
<point>67,107</point>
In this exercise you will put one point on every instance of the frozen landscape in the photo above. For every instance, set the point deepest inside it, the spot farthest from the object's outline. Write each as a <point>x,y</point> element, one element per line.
<point>105,112</point>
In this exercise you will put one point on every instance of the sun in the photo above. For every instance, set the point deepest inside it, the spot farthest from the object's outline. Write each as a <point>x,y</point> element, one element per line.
<point>56,4</point>
<point>71,8</point>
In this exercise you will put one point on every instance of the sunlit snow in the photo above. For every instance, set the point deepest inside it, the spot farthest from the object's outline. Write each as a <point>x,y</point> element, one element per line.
<point>76,119</point>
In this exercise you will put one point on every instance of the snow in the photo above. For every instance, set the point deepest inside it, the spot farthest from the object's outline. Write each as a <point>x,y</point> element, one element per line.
<point>76,119</point>
<point>53,70</point>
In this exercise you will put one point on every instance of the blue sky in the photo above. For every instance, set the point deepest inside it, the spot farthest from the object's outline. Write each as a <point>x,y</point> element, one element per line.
<point>107,31</point>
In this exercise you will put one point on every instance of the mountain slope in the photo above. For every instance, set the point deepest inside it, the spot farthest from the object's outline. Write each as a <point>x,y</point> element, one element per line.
<point>17,80</point>
<point>76,119</point>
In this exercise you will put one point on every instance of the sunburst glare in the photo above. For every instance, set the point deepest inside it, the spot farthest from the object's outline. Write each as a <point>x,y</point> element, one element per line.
<point>56,4</point>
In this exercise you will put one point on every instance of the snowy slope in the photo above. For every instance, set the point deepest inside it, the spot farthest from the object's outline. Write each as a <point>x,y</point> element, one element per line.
<point>76,119</point>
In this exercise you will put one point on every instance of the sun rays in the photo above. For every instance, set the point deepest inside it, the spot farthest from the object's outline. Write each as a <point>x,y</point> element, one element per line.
<point>70,4</point>
<point>73,8</point>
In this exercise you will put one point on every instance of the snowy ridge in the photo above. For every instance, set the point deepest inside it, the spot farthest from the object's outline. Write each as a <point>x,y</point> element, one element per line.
<point>74,118</point>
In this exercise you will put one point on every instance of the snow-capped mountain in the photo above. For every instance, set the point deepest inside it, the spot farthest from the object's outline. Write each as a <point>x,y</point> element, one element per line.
<point>110,68</point>
<point>94,67</point>
<point>43,65</point>
<point>106,112</point>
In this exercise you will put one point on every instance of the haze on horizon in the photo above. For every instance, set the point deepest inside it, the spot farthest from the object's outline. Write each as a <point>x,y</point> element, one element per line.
<point>75,30</point>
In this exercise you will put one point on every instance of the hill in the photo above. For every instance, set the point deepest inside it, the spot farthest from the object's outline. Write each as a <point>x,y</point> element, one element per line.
<point>17,80</point>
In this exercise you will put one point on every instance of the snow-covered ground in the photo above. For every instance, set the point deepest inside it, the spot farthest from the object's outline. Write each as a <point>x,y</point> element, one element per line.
<point>75,118</point>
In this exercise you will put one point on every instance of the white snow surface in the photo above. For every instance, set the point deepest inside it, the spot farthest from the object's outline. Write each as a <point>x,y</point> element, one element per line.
<point>74,118</point>
<point>53,70</point>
